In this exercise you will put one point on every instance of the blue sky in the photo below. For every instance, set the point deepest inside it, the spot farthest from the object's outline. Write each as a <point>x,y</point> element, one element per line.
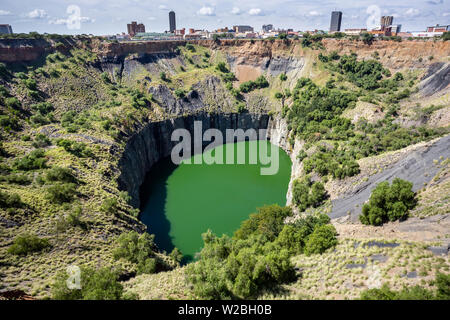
<point>110,17</point>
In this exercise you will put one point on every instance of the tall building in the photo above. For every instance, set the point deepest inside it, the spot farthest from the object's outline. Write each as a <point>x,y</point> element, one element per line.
<point>386,21</point>
<point>5,29</point>
<point>172,22</point>
<point>267,27</point>
<point>242,29</point>
<point>134,28</point>
<point>336,18</point>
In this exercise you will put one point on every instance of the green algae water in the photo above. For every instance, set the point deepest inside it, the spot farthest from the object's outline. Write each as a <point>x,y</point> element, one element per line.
<point>182,202</point>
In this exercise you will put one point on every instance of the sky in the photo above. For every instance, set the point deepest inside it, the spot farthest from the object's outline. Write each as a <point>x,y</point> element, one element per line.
<point>110,17</point>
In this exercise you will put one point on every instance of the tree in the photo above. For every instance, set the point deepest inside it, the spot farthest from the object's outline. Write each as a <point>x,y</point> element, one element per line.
<point>389,203</point>
<point>322,238</point>
<point>101,284</point>
<point>367,38</point>
<point>137,249</point>
<point>28,243</point>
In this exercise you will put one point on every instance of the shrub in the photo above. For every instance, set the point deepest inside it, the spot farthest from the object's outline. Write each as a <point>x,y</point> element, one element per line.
<point>101,284</point>
<point>20,179</point>
<point>322,238</point>
<point>61,192</point>
<point>240,107</point>
<point>28,243</point>
<point>180,93</point>
<point>417,292</point>
<point>259,83</point>
<point>57,174</point>
<point>43,108</point>
<point>137,249</point>
<point>110,205</point>
<point>9,122</point>
<point>163,77</point>
<point>78,149</point>
<point>308,194</point>
<point>222,67</point>
<point>41,140</point>
<point>34,160</point>
<point>268,220</point>
<point>190,47</point>
<point>389,203</point>
<point>10,200</point>
<point>283,77</point>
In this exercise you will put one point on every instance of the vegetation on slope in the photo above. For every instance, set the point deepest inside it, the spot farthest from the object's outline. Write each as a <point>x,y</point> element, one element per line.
<point>258,255</point>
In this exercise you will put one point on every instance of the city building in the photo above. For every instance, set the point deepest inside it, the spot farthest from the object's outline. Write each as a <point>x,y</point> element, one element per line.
<point>5,29</point>
<point>267,27</point>
<point>386,21</point>
<point>355,31</point>
<point>336,19</point>
<point>242,29</point>
<point>172,22</point>
<point>180,32</point>
<point>134,28</point>
<point>439,28</point>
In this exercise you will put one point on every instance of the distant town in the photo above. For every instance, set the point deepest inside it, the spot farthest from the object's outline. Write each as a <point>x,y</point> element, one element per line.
<point>386,28</point>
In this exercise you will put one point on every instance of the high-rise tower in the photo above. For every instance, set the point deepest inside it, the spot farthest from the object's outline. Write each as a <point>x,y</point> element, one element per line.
<point>336,18</point>
<point>172,21</point>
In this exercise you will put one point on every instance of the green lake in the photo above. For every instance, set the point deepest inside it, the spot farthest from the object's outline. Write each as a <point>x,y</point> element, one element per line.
<point>182,202</point>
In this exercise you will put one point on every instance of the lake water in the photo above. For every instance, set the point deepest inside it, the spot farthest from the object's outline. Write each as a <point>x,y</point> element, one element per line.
<point>182,202</point>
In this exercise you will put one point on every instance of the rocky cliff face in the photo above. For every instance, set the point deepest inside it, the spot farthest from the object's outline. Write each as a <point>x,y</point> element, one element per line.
<point>153,142</point>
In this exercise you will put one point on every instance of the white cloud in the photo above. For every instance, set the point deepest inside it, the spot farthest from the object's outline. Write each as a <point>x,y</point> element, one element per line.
<point>37,14</point>
<point>236,11</point>
<point>4,13</point>
<point>256,12</point>
<point>162,7</point>
<point>206,11</point>
<point>71,20</point>
<point>151,18</point>
<point>314,13</point>
<point>446,14</point>
<point>412,12</point>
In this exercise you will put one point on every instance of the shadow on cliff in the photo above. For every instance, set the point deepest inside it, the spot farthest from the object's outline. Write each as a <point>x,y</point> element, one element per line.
<point>153,195</point>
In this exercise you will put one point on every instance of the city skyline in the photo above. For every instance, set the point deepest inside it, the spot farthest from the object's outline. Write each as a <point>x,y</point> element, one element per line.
<point>99,18</point>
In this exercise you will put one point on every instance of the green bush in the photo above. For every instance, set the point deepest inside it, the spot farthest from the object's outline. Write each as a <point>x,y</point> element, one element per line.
<point>322,238</point>
<point>268,220</point>
<point>389,202</point>
<point>137,249</point>
<point>417,292</point>
<point>16,178</point>
<point>41,141</point>
<point>222,67</point>
<point>283,77</point>
<point>28,243</point>
<point>9,122</point>
<point>180,93</point>
<point>10,200</point>
<point>163,77</point>
<point>308,194</point>
<point>78,149</point>
<point>259,83</point>
<point>61,192</point>
<point>110,205</point>
<point>101,284</point>
<point>34,160</point>
<point>190,47</point>
<point>57,174</point>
